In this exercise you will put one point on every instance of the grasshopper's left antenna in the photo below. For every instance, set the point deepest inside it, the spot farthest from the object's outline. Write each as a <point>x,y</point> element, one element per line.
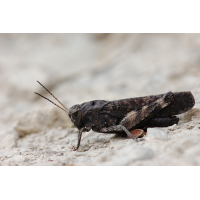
<point>52,102</point>
<point>66,109</point>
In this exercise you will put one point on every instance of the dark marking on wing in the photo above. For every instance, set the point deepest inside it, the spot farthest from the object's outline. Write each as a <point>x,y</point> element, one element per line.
<point>183,101</point>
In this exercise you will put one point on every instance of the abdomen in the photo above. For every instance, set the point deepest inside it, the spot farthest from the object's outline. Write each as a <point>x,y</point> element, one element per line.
<point>183,101</point>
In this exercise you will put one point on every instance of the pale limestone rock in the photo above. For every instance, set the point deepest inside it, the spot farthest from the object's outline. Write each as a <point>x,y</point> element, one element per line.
<point>8,140</point>
<point>36,121</point>
<point>157,133</point>
<point>127,155</point>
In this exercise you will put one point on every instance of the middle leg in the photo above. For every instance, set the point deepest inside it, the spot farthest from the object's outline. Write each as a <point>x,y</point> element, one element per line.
<point>117,128</point>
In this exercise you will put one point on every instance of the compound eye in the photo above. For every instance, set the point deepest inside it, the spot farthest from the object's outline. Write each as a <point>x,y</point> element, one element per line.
<point>75,114</point>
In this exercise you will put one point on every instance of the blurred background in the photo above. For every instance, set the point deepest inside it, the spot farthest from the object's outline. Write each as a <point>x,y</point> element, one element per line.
<point>84,67</point>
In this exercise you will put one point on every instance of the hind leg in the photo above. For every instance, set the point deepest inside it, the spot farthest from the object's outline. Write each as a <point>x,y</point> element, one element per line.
<point>136,118</point>
<point>159,122</point>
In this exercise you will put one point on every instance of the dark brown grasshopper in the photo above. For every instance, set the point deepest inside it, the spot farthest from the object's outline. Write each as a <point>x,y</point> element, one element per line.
<point>128,114</point>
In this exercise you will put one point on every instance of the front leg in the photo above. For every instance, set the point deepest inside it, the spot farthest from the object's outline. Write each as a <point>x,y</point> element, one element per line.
<point>80,135</point>
<point>135,118</point>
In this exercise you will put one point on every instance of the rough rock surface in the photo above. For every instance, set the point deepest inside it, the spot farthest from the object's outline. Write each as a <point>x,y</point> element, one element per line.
<point>83,67</point>
<point>38,120</point>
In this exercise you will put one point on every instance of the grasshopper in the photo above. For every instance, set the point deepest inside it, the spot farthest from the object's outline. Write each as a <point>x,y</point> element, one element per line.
<point>127,114</point>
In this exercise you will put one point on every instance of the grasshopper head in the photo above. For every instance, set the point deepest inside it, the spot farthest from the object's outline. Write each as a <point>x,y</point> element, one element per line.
<point>75,115</point>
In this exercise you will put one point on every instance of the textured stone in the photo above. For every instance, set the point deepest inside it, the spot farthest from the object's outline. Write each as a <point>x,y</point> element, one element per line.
<point>36,121</point>
<point>157,133</point>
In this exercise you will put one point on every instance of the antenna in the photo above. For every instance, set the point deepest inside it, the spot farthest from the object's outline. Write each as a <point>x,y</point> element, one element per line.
<point>66,109</point>
<point>51,101</point>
